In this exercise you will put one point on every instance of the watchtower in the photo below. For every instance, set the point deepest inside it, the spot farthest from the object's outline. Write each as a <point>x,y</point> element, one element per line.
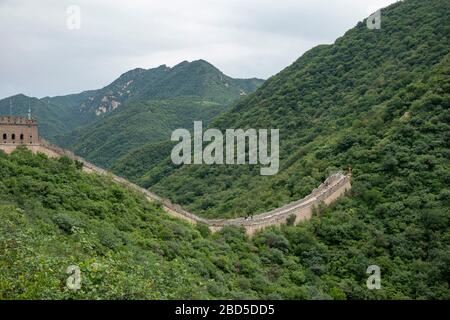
<point>18,130</point>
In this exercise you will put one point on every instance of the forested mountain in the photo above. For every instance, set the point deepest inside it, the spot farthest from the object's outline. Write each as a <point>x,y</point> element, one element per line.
<point>158,101</point>
<point>135,125</point>
<point>375,99</point>
<point>53,216</point>
<point>198,80</point>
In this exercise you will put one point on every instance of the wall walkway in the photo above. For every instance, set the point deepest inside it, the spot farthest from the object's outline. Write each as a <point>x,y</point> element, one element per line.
<point>332,188</point>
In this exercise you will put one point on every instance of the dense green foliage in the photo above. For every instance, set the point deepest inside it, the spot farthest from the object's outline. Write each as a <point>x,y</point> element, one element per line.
<point>141,159</point>
<point>197,78</point>
<point>156,101</point>
<point>377,100</point>
<point>53,216</point>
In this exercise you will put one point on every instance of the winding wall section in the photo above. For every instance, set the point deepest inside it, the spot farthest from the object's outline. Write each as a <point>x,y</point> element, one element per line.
<point>332,188</point>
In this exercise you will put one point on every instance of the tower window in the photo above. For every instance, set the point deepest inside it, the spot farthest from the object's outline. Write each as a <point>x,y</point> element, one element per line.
<point>21,136</point>
<point>13,136</point>
<point>5,136</point>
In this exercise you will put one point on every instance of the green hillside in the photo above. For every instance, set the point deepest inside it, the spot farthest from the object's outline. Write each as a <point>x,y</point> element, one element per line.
<point>376,100</point>
<point>197,78</point>
<point>155,102</point>
<point>54,216</point>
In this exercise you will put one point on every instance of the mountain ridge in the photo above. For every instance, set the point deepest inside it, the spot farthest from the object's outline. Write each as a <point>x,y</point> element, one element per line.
<point>367,77</point>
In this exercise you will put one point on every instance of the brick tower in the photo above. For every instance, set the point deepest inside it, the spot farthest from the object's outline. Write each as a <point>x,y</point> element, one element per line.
<point>17,130</point>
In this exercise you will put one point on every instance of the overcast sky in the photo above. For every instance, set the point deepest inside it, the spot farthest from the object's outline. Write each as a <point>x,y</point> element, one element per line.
<point>40,55</point>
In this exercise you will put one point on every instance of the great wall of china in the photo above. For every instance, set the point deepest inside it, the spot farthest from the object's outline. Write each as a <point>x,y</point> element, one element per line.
<point>332,188</point>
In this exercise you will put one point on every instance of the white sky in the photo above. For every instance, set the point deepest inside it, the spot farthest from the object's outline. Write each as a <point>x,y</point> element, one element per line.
<point>40,56</point>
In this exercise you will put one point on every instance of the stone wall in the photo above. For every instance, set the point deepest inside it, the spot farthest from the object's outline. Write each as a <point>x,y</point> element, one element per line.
<point>332,188</point>
<point>15,130</point>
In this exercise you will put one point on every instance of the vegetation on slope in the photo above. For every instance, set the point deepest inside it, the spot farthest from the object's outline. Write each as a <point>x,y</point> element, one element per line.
<point>378,100</point>
<point>197,78</point>
<point>59,116</point>
<point>156,101</point>
<point>142,159</point>
<point>53,215</point>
